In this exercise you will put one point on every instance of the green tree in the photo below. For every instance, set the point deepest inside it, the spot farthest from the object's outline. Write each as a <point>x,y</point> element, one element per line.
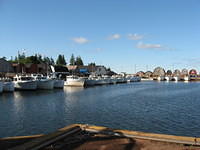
<point>91,64</point>
<point>52,61</point>
<point>72,60</point>
<point>79,61</point>
<point>61,60</point>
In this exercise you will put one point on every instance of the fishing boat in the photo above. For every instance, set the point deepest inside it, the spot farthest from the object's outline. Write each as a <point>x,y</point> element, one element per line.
<point>43,82</point>
<point>24,83</point>
<point>74,81</point>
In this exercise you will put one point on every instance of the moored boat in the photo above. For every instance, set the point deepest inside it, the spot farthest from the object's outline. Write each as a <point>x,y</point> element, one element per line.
<point>43,82</point>
<point>74,81</point>
<point>24,83</point>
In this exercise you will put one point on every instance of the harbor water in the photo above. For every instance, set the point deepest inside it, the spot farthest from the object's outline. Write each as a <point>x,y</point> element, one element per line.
<point>158,107</point>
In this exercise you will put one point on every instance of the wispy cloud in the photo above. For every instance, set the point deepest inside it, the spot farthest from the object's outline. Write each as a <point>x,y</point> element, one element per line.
<point>149,46</point>
<point>135,36</point>
<point>114,37</point>
<point>80,40</point>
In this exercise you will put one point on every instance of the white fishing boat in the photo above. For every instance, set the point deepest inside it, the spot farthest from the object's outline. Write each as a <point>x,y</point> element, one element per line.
<point>74,81</point>
<point>24,83</point>
<point>8,86</point>
<point>1,87</point>
<point>43,82</point>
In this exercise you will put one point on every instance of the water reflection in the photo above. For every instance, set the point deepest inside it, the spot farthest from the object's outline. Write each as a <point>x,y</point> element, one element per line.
<point>73,89</point>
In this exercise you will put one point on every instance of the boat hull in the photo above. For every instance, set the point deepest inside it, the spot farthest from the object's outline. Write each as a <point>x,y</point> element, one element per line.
<point>29,85</point>
<point>90,82</point>
<point>59,84</point>
<point>8,87</point>
<point>75,82</point>
<point>45,85</point>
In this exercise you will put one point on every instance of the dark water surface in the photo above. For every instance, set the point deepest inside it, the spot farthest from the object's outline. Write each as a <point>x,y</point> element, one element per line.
<point>170,108</point>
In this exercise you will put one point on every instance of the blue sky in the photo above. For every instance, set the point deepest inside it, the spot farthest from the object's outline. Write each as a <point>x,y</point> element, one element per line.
<point>115,33</point>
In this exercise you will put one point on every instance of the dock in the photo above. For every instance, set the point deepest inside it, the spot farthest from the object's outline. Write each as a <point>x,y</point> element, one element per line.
<point>89,137</point>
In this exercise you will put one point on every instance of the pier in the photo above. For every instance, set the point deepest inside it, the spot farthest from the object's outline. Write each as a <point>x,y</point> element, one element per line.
<point>80,136</point>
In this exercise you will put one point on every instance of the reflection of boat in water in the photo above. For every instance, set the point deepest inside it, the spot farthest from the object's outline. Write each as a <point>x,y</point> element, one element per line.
<point>1,87</point>
<point>70,89</point>
<point>74,81</point>
<point>43,82</point>
<point>24,83</point>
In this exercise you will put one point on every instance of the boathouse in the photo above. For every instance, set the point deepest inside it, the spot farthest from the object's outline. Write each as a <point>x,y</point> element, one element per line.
<point>158,72</point>
<point>148,74</point>
<point>140,74</point>
<point>169,73</point>
<point>30,68</point>
<point>193,73</point>
<point>5,67</point>
<point>177,72</point>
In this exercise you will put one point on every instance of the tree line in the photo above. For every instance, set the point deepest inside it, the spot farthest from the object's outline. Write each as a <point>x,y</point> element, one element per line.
<point>38,58</point>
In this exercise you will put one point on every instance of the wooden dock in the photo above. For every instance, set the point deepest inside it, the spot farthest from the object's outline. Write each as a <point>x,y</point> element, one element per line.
<point>79,137</point>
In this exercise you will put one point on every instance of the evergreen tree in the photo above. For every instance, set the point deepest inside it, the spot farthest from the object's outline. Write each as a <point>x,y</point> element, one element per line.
<point>52,61</point>
<point>91,64</point>
<point>79,61</point>
<point>72,60</point>
<point>61,60</point>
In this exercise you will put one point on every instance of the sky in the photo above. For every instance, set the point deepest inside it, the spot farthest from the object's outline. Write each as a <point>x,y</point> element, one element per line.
<point>125,35</point>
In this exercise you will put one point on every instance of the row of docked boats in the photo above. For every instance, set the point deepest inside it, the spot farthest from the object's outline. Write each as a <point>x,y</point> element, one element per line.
<point>92,80</point>
<point>38,81</point>
<point>33,82</point>
<point>172,78</point>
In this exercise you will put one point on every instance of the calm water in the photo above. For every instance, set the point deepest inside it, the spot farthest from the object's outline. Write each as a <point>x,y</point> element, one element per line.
<point>171,108</point>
